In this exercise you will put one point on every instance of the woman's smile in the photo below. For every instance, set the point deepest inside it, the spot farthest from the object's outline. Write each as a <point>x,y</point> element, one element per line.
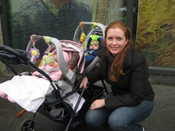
<point>115,40</point>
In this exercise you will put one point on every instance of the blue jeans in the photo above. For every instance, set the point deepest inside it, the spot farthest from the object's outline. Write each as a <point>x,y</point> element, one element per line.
<point>120,119</point>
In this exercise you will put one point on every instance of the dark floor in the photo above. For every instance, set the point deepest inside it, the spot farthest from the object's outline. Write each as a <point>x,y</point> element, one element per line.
<point>162,118</point>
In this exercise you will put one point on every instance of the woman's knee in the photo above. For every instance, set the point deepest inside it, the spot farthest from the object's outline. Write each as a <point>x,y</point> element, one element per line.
<point>121,118</point>
<point>95,118</point>
<point>126,117</point>
<point>117,122</point>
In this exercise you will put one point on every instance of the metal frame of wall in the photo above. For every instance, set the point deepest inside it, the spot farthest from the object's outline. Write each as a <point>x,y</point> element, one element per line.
<point>132,7</point>
<point>4,21</point>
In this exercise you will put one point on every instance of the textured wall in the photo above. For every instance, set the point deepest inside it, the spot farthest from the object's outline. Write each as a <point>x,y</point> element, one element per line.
<point>37,17</point>
<point>156,31</point>
<point>107,11</point>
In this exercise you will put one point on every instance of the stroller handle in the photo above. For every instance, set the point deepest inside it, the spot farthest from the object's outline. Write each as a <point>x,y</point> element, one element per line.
<point>82,23</point>
<point>93,23</point>
<point>14,52</point>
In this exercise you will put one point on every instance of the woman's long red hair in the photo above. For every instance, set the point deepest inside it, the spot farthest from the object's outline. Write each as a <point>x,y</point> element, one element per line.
<point>117,66</point>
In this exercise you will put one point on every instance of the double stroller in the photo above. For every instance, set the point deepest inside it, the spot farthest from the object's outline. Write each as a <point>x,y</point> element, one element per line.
<point>57,67</point>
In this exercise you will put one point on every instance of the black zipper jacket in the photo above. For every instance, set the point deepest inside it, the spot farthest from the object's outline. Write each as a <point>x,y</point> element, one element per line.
<point>132,88</point>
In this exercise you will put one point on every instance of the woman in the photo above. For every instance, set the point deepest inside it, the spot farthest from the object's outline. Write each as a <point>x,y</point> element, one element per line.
<point>125,69</point>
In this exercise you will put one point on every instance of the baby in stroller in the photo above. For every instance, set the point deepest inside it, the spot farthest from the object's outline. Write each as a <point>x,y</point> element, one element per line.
<point>91,35</point>
<point>93,46</point>
<point>52,88</point>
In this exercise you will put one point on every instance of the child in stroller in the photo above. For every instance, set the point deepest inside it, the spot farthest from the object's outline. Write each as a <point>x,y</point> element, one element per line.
<point>53,91</point>
<point>91,35</point>
<point>92,48</point>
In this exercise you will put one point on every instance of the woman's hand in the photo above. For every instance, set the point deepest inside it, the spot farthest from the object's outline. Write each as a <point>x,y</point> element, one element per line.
<point>98,103</point>
<point>84,83</point>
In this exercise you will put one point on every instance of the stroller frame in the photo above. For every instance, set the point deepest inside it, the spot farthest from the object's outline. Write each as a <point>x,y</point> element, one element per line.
<point>8,53</point>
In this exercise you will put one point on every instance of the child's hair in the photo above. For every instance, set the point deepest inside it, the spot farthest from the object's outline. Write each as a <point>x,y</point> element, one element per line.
<point>73,61</point>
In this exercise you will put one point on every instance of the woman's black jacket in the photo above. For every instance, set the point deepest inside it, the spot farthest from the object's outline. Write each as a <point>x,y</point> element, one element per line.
<point>132,88</point>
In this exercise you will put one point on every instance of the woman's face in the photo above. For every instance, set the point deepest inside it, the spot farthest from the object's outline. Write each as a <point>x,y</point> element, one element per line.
<point>115,40</point>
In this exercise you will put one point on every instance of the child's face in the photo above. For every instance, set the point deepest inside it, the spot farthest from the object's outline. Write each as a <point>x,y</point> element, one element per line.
<point>94,45</point>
